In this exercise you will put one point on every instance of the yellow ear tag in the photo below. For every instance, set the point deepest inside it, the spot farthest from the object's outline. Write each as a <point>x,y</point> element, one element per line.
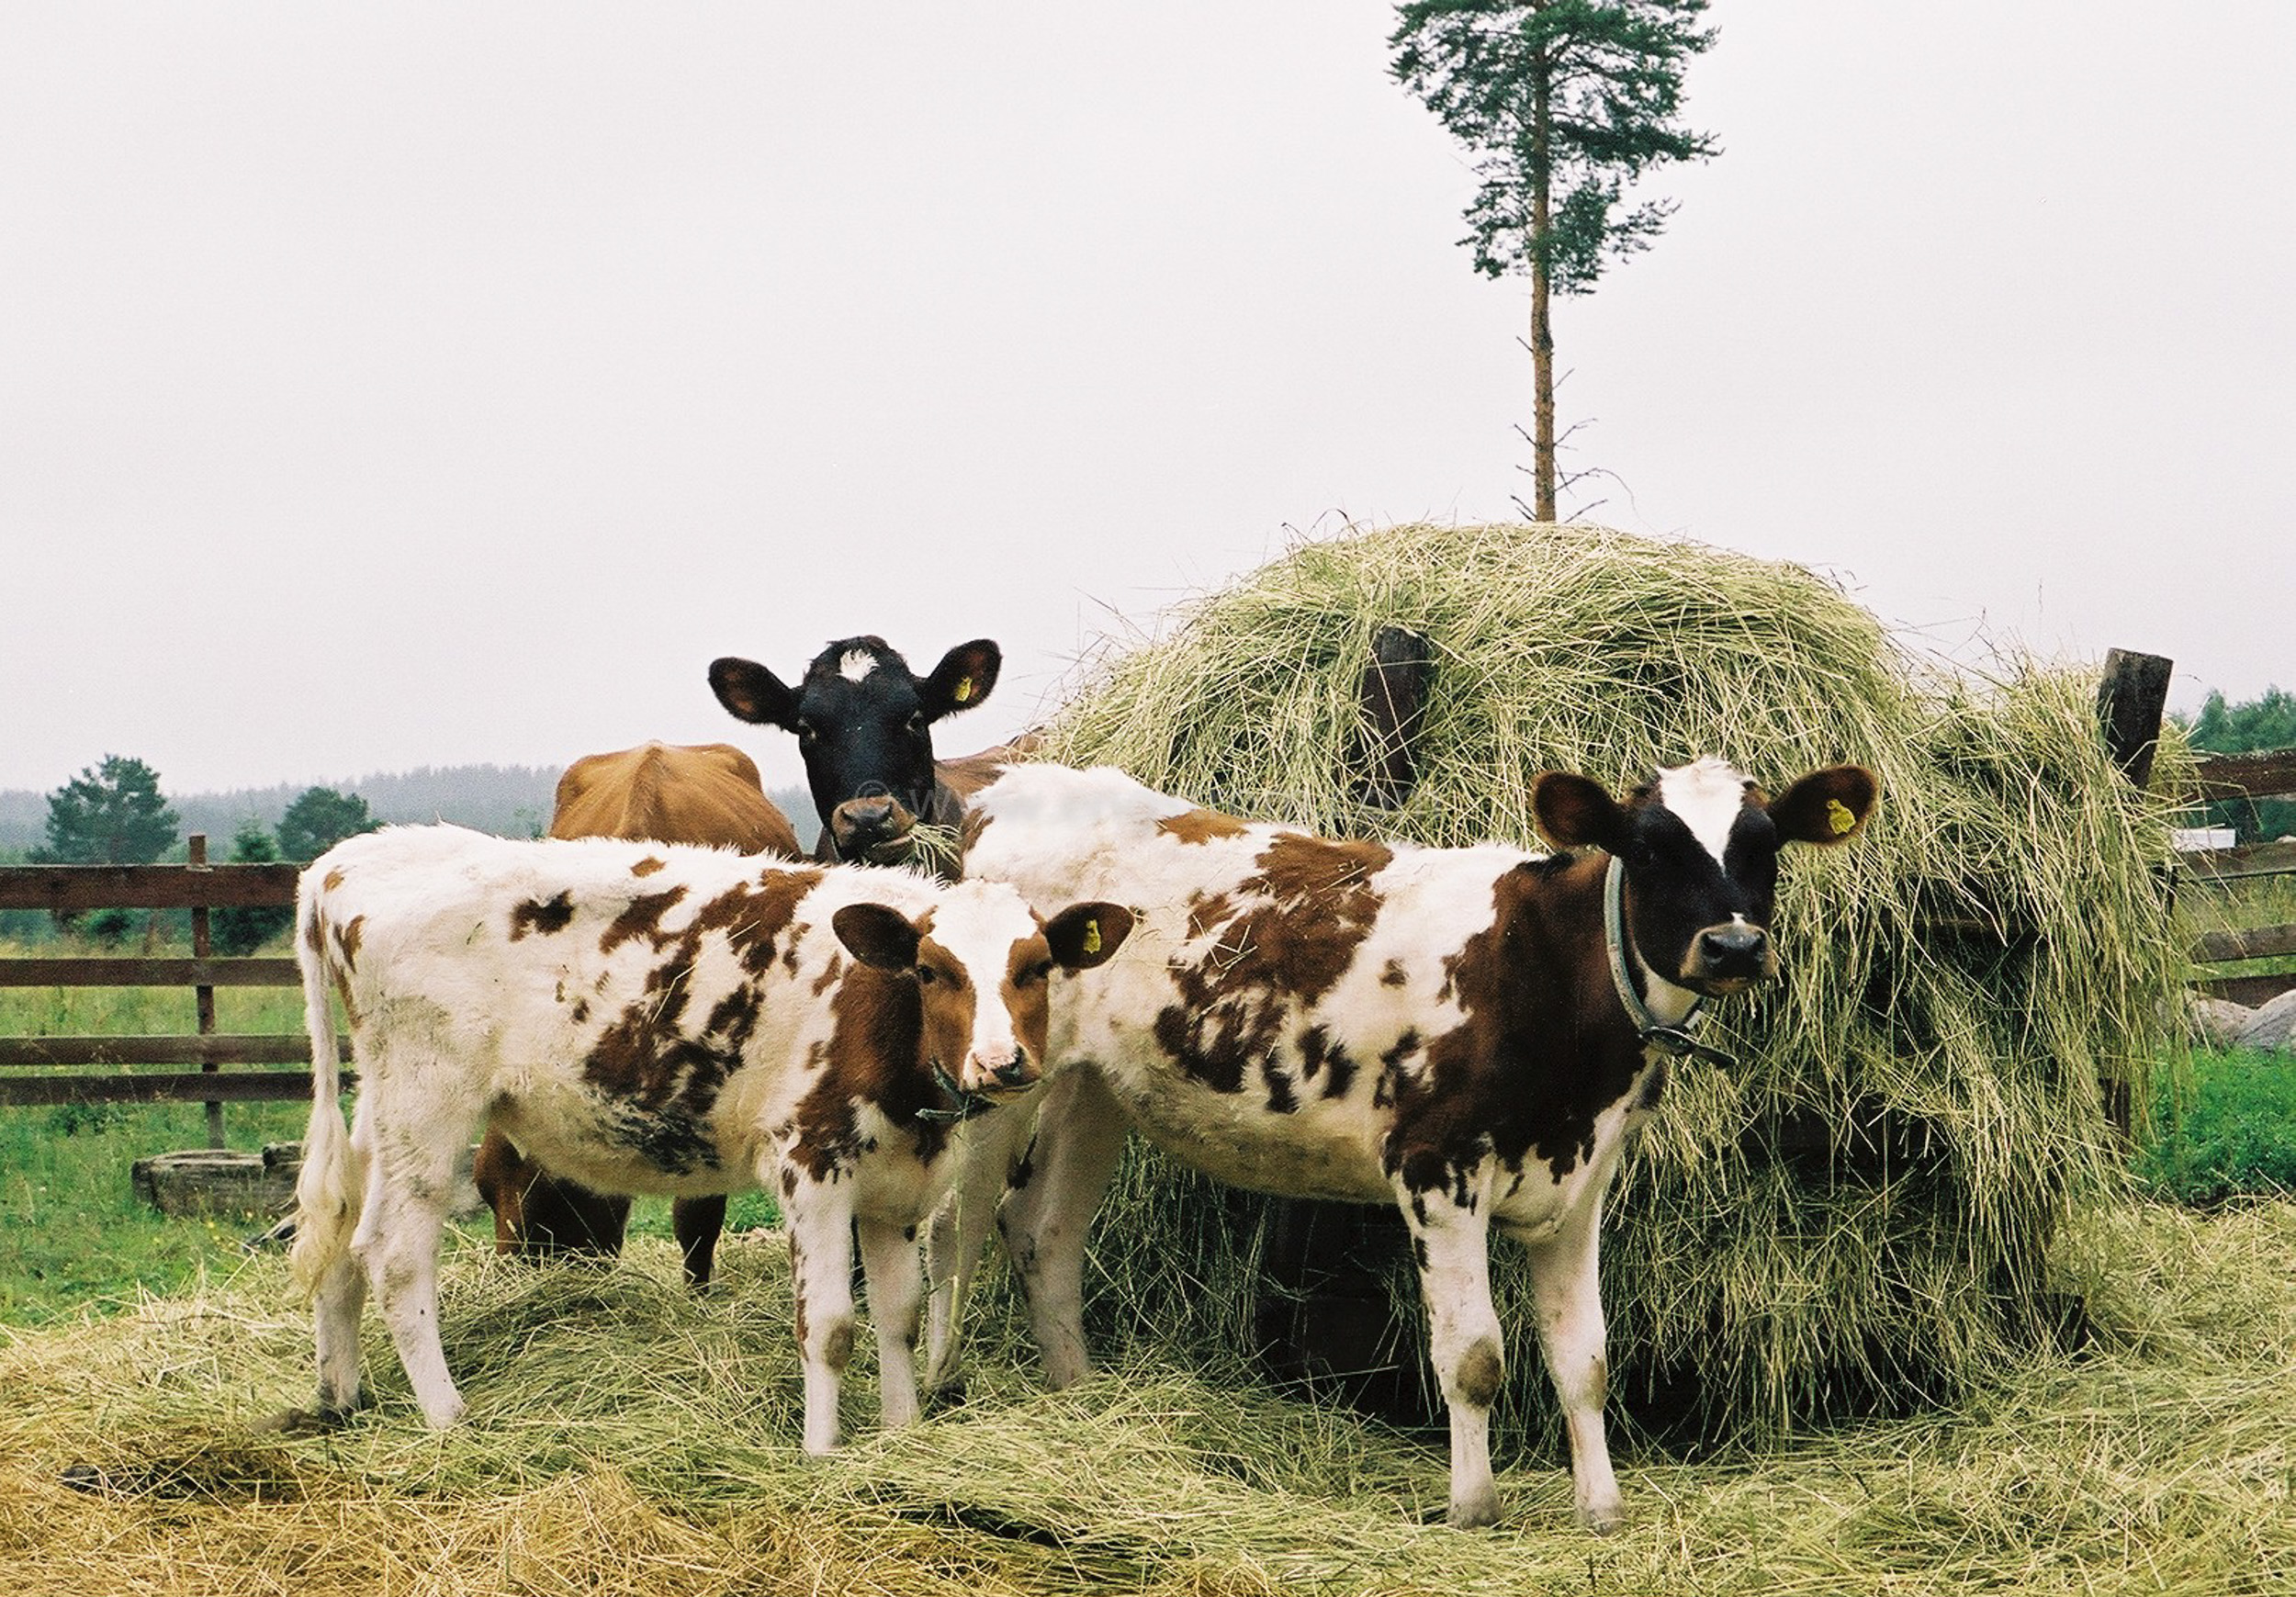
<point>964,689</point>
<point>1092,937</point>
<point>1839,817</point>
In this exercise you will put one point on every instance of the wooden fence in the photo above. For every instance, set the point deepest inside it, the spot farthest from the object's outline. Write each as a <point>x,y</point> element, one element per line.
<point>54,1070</point>
<point>2271,774</point>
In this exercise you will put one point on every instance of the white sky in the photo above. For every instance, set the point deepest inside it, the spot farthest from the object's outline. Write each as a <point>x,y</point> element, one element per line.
<point>415,384</point>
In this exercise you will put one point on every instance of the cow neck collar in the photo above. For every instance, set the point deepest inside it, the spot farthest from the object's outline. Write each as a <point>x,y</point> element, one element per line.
<point>1674,1040</point>
<point>958,1104</point>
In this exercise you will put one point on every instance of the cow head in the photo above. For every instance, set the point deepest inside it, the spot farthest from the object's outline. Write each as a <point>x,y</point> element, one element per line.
<point>983,962</point>
<point>864,722</point>
<point>1700,847</point>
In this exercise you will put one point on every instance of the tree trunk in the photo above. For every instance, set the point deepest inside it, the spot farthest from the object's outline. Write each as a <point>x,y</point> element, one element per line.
<point>1542,335</point>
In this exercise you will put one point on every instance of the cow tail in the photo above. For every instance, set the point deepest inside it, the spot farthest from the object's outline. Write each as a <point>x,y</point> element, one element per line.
<point>324,1212</point>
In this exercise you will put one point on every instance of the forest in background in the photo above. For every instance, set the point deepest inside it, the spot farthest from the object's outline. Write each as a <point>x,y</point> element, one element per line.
<point>512,800</point>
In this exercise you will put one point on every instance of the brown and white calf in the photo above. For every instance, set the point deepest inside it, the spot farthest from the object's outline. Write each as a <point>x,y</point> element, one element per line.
<point>648,1018</point>
<point>1445,1029</point>
<point>707,794</point>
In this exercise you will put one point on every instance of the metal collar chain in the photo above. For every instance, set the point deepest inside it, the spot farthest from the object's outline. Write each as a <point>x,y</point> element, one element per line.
<point>963,1105</point>
<point>1675,1040</point>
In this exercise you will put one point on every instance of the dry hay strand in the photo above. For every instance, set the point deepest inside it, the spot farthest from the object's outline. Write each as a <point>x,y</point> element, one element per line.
<point>1852,1222</point>
<point>627,1439</point>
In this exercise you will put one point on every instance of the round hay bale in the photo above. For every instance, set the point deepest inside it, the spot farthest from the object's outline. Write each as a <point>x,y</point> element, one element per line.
<point>1856,1220</point>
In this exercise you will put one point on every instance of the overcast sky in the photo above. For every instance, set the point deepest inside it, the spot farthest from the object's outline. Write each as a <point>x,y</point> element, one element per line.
<point>384,385</point>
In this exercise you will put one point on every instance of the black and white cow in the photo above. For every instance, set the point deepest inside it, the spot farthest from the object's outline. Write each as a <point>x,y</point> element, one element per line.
<point>1449,1030</point>
<point>643,1018</point>
<point>864,724</point>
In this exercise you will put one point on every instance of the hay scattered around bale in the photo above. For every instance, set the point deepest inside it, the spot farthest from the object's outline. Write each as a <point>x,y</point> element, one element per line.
<point>626,1439</point>
<point>1853,1222</point>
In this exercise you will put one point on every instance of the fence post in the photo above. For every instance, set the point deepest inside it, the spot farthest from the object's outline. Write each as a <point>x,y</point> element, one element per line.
<point>2129,703</point>
<point>201,948</point>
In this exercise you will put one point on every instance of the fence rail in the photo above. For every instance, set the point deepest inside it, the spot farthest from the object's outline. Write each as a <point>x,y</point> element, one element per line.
<point>52,1070</point>
<point>2271,773</point>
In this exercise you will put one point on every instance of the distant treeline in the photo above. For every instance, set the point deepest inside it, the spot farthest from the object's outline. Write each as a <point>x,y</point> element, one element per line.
<point>512,800</point>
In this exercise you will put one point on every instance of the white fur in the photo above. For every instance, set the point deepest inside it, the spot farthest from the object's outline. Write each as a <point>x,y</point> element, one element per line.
<point>855,664</point>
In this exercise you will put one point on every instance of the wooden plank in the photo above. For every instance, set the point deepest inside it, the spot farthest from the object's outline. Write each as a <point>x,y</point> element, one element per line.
<point>2252,991</point>
<point>2210,866</point>
<point>2261,942</point>
<point>114,973</point>
<point>2271,773</point>
<point>223,1049</point>
<point>79,887</point>
<point>190,1087</point>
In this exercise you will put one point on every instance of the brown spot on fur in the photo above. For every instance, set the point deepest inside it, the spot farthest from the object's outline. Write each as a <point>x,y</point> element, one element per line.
<point>873,1056</point>
<point>1284,938</point>
<point>1200,825</point>
<point>648,866</point>
<point>1497,1083</point>
<point>837,1351</point>
<point>333,881</point>
<point>536,916</point>
<point>642,917</point>
<point>1394,975</point>
<point>347,939</point>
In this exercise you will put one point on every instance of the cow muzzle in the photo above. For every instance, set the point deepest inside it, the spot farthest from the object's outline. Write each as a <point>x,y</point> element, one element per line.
<point>1729,958</point>
<point>1001,1075</point>
<point>874,829</point>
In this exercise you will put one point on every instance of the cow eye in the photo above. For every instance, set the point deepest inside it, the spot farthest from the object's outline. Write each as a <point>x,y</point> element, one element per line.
<point>1033,975</point>
<point>924,977</point>
<point>916,720</point>
<point>809,733</point>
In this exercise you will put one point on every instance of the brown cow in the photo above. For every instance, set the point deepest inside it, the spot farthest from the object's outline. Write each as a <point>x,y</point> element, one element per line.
<point>662,792</point>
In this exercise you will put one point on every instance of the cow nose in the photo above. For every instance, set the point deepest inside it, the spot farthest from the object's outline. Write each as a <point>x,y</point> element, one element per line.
<point>1734,947</point>
<point>1019,1071</point>
<point>861,823</point>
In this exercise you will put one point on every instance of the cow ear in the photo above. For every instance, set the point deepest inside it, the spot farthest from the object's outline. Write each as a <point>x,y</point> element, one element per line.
<point>1826,806</point>
<point>877,936</point>
<point>963,679</point>
<point>752,693</point>
<point>1574,812</point>
<point>1085,935</point>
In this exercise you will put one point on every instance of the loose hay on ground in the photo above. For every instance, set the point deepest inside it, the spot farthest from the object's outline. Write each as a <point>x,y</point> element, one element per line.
<point>640,1443</point>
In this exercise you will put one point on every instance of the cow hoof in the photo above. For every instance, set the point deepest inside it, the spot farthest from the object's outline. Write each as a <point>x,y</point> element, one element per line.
<point>1476,1514</point>
<point>949,1394</point>
<point>305,1421</point>
<point>1605,1521</point>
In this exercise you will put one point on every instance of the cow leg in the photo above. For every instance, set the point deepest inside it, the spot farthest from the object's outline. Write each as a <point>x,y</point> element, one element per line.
<point>821,1270</point>
<point>1047,1213</point>
<point>1464,1342</point>
<point>698,1221</point>
<point>959,1232</point>
<point>1566,1295</point>
<point>897,1300</point>
<point>409,1188</point>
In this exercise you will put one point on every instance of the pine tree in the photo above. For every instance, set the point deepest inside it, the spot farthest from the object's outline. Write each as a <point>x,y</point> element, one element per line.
<point>318,819</point>
<point>1562,103</point>
<point>111,814</point>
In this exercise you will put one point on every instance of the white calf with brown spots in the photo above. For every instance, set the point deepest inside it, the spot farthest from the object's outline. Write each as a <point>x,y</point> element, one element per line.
<point>1444,1030</point>
<point>650,1018</point>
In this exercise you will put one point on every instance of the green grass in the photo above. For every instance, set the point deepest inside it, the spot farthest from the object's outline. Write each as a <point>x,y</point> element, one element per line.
<point>2227,1132</point>
<point>74,1235</point>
